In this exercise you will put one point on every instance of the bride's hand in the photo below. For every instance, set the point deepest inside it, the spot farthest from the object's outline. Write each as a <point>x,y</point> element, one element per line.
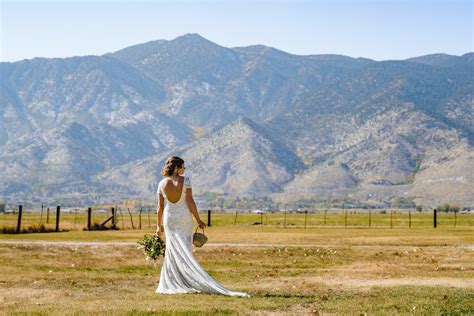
<point>159,232</point>
<point>201,224</point>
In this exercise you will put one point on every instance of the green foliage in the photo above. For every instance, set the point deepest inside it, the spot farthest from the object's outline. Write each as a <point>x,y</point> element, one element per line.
<point>402,202</point>
<point>8,230</point>
<point>153,246</point>
<point>410,178</point>
<point>448,208</point>
<point>37,228</point>
<point>98,226</point>
<point>418,161</point>
<point>211,199</point>
<point>307,203</point>
<point>34,228</point>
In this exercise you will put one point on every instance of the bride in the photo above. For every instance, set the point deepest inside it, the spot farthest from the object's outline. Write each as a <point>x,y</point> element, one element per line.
<point>181,273</point>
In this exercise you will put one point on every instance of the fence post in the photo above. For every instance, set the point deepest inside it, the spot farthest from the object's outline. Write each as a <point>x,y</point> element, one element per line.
<point>435,223</point>
<point>113,217</point>
<point>284,221</point>
<point>325,214</point>
<point>209,218</point>
<point>47,215</point>
<point>149,221</point>
<point>41,217</point>
<point>121,216</point>
<point>89,214</point>
<point>261,219</point>
<point>18,225</point>
<point>58,209</point>
<point>370,218</point>
<point>409,219</point>
<point>305,217</point>
<point>140,219</point>
<point>131,218</point>
<point>391,218</point>
<point>75,219</point>
<point>455,218</point>
<point>114,220</point>
<point>345,219</point>
<point>235,218</point>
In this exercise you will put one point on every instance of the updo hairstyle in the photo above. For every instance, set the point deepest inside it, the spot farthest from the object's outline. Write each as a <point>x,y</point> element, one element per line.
<point>171,164</point>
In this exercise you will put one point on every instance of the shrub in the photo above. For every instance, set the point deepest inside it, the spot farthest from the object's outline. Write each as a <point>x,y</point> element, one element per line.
<point>97,226</point>
<point>448,208</point>
<point>40,228</point>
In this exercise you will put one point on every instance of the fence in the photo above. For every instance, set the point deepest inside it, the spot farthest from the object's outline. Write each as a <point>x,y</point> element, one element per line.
<point>53,219</point>
<point>57,219</point>
<point>350,219</point>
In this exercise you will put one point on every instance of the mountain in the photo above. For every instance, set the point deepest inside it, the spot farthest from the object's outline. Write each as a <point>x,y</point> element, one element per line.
<point>400,152</point>
<point>443,60</point>
<point>64,120</point>
<point>209,85</point>
<point>248,121</point>
<point>240,158</point>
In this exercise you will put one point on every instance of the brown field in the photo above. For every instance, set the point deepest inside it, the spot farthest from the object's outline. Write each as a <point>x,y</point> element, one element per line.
<point>321,270</point>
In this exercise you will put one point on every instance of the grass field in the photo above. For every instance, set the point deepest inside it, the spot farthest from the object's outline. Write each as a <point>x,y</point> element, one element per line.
<point>319,269</point>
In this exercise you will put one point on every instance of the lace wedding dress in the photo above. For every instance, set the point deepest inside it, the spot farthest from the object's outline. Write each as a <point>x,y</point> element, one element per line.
<point>181,273</point>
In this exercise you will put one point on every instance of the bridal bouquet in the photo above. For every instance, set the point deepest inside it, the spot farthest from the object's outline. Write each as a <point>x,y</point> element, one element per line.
<point>153,246</point>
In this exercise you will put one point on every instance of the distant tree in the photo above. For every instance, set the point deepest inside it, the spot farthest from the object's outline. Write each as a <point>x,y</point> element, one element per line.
<point>454,208</point>
<point>229,203</point>
<point>448,208</point>
<point>218,201</point>
<point>443,208</point>
<point>402,202</point>
<point>419,208</point>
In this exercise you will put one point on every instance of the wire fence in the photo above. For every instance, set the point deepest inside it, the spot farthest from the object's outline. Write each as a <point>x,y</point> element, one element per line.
<point>55,219</point>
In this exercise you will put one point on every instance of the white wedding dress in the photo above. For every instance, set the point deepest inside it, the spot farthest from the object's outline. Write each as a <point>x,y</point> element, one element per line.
<point>181,273</point>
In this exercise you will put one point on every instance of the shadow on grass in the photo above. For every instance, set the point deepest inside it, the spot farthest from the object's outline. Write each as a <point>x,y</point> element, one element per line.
<point>214,311</point>
<point>283,295</point>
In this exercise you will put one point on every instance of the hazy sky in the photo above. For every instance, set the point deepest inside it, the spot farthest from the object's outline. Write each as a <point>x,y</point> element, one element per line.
<point>374,29</point>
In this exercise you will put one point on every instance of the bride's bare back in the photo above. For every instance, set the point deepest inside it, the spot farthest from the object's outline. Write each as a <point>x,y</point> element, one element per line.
<point>173,189</point>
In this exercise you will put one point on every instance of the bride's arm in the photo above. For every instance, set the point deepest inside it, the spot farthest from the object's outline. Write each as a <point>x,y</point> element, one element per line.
<point>193,208</point>
<point>159,212</point>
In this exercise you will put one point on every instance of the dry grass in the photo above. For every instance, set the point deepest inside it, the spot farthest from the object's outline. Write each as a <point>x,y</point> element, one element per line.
<point>332,219</point>
<point>306,271</point>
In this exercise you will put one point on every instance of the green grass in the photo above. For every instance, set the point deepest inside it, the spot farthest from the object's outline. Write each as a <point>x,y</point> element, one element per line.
<point>333,218</point>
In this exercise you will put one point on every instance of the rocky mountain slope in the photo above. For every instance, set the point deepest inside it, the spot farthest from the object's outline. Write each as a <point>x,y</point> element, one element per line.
<point>248,120</point>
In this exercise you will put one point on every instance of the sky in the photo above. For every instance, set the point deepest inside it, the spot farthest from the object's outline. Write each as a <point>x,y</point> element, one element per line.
<point>380,30</point>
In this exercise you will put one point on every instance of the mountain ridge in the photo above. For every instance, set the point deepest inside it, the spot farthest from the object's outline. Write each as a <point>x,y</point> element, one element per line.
<point>325,125</point>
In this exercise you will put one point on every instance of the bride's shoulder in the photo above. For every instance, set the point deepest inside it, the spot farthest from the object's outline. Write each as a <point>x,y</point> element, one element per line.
<point>163,181</point>
<point>187,181</point>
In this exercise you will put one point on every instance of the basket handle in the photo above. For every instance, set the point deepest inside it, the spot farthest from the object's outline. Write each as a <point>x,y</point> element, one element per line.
<point>198,228</point>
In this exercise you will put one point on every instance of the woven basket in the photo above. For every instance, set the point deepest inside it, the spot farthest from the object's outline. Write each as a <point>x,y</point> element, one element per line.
<point>199,239</point>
